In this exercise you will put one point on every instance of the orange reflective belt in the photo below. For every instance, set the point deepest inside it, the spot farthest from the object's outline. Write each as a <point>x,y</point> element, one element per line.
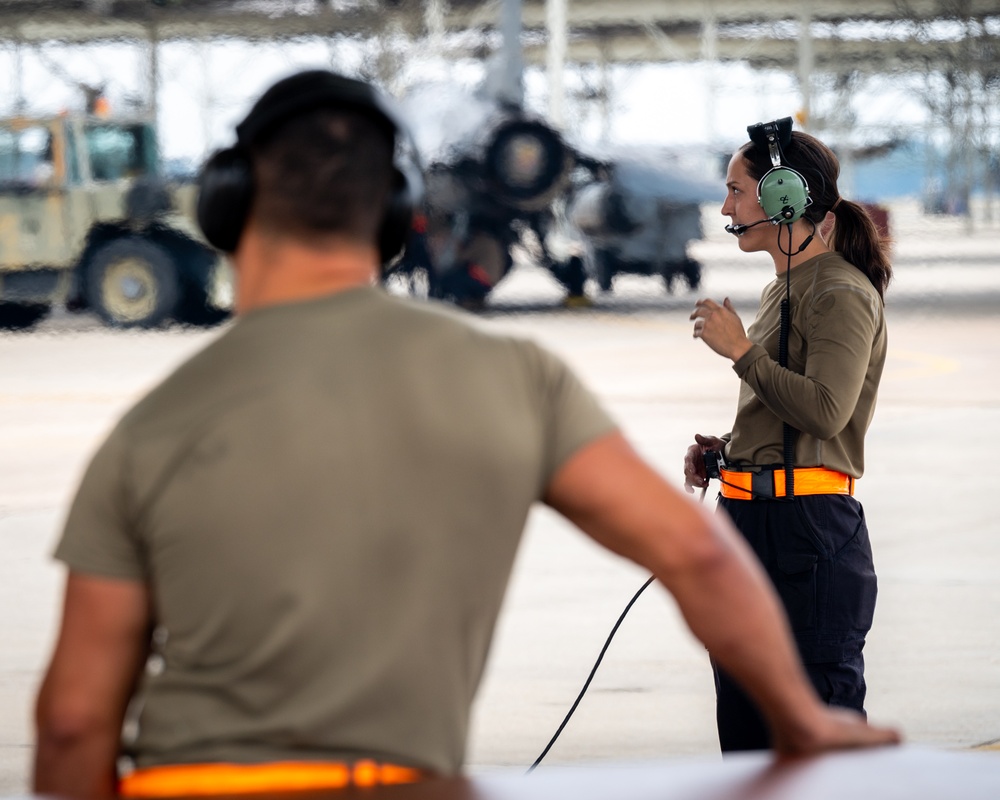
<point>808,480</point>
<point>175,780</point>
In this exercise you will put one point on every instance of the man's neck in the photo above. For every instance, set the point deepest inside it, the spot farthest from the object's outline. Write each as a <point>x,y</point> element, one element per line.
<point>277,270</point>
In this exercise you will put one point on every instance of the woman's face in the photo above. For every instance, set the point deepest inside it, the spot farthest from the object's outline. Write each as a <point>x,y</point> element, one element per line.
<point>742,208</point>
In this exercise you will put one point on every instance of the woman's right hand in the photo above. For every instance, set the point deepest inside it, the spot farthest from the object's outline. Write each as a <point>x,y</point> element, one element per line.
<point>694,461</point>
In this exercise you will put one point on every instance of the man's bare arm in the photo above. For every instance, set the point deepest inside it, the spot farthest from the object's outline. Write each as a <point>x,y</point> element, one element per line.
<point>100,652</point>
<point>614,496</point>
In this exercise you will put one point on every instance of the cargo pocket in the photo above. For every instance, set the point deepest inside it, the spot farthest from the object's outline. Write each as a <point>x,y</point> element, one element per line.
<point>854,587</point>
<point>796,584</point>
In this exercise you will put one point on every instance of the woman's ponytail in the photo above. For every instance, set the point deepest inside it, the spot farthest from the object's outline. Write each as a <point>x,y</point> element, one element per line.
<point>857,238</point>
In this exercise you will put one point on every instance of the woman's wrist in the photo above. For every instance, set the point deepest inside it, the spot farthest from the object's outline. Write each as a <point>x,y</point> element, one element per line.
<point>740,350</point>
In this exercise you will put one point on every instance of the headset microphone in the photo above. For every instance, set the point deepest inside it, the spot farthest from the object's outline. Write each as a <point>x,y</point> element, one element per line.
<point>739,229</point>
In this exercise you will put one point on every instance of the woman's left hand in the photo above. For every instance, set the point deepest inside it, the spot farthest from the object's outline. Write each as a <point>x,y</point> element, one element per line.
<point>720,328</point>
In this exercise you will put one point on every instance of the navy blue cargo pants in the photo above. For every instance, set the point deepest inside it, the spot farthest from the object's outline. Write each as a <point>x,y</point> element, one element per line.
<point>817,553</point>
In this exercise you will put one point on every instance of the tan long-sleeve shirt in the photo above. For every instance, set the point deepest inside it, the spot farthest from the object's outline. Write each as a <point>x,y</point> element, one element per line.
<point>836,353</point>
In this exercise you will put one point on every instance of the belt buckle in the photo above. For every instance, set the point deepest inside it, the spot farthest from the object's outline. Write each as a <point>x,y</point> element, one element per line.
<point>762,483</point>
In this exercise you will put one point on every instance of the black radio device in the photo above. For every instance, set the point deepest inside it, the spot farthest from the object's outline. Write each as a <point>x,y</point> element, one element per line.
<point>715,462</point>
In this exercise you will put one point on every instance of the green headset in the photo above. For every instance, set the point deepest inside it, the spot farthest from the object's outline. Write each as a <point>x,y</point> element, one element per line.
<point>782,192</point>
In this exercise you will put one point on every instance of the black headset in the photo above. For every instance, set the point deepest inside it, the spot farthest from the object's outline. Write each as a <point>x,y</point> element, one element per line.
<point>782,192</point>
<point>226,185</point>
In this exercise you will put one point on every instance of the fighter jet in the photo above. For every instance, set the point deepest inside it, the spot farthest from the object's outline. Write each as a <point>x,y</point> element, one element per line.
<point>498,178</point>
<point>492,175</point>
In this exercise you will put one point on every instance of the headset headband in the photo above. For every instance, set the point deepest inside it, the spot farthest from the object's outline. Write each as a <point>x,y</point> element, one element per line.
<point>772,135</point>
<point>310,90</point>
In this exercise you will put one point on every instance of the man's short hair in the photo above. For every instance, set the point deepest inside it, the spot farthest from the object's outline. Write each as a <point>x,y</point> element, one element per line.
<point>323,172</point>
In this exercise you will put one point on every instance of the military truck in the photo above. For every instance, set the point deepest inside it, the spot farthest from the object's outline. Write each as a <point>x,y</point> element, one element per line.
<point>88,221</point>
<point>639,215</point>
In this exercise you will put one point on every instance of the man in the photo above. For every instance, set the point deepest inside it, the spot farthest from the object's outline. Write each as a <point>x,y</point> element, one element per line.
<point>311,523</point>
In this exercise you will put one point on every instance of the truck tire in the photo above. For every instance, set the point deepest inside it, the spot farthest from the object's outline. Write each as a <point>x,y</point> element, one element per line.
<point>132,283</point>
<point>604,270</point>
<point>194,308</point>
<point>689,269</point>
<point>692,273</point>
<point>572,275</point>
<point>19,316</point>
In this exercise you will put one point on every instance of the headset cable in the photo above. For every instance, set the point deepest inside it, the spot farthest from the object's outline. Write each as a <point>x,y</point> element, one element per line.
<point>593,671</point>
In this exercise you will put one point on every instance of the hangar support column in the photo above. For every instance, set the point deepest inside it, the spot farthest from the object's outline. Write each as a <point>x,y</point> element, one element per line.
<point>555,22</point>
<point>807,62</point>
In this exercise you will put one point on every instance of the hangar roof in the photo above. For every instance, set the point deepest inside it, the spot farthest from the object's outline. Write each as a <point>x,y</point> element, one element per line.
<point>868,35</point>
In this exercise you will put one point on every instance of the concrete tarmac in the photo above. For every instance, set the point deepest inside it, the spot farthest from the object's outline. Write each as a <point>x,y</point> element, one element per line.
<point>933,656</point>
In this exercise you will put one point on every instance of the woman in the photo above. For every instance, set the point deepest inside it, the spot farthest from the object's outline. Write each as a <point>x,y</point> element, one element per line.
<point>807,395</point>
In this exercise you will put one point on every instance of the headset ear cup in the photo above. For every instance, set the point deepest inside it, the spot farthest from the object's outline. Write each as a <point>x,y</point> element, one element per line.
<point>225,192</point>
<point>783,194</point>
<point>397,219</point>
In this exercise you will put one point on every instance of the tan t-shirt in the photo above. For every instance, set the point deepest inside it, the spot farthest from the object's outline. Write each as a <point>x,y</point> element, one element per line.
<point>836,352</point>
<point>326,503</point>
